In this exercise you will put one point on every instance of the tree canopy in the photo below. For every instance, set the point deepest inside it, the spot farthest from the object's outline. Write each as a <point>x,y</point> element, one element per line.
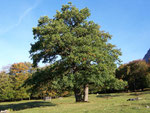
<point>136,73</point>
<point>80,53</point>
<point>12,79</point>
<point>6,88</point>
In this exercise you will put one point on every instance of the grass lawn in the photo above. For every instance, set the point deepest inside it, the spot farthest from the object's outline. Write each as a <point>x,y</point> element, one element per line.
<point>103,103</point>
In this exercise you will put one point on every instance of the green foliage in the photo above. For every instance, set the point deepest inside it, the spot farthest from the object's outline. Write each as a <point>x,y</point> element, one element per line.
<point>147,80</point>
<point>11,83</point>
<point>114,84</point>
<point>136,73</point>
<point>41,83</point>
<point>79,50</point>
<point>6,88</point>
<point>19,72</point>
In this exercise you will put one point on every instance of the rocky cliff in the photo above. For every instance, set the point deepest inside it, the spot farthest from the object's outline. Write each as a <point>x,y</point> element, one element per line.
<point>147,56</point>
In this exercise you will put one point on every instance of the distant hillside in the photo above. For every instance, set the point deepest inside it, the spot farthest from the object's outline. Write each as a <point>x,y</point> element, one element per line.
<point>147,56</point>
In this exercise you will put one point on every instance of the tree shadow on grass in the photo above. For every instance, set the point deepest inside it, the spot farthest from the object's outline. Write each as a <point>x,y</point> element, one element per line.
<point>26,105</point>
<point>135,94</point>
<point>139,93</point>
<point>107,96</point>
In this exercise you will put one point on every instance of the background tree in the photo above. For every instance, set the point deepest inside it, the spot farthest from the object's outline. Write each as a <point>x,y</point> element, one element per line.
<point>6,88</point>
<point>136,73</point>
<point>80,52</point>
<point>19,72</point>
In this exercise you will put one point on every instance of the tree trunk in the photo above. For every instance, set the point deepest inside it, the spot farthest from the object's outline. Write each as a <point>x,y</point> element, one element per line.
<point>78,95</point>
<point>86,92</point>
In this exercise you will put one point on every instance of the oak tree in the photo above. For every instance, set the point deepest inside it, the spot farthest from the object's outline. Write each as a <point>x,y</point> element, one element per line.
<point>79,51</point>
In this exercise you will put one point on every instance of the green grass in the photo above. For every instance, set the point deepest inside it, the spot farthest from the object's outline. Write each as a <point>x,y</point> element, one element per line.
<point>103,103</point>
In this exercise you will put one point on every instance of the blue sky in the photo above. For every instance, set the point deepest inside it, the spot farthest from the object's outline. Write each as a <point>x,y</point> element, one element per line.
<point>127,20</point>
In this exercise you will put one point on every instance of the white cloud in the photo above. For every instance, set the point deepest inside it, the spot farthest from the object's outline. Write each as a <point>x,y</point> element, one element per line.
<point>24,14</point>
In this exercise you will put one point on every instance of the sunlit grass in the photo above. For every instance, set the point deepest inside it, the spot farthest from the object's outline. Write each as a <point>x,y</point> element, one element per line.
<point>103,103</point>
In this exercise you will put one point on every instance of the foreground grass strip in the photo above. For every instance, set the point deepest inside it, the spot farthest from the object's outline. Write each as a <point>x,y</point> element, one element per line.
<point>103,103</point>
